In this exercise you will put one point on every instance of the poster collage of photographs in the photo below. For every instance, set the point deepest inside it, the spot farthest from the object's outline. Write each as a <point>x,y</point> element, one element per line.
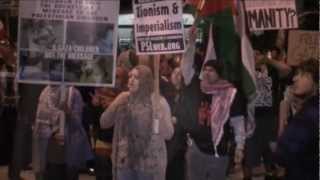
<point>73,52</point>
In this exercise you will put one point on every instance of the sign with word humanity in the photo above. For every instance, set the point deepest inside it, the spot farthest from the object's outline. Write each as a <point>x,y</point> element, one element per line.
<point>302,46</point>
<point>271,14</point>
<point>158,26</point>
<point>69,41</point>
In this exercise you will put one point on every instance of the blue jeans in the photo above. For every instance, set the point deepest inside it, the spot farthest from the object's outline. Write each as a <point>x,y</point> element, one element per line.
<point>130,174</point>
<point>201,166</point>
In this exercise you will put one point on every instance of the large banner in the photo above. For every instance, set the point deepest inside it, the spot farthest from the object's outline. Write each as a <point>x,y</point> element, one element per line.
<point>69,41</point>
<point>271,14</point>
<point>158,26</point>
<point>302,46</point>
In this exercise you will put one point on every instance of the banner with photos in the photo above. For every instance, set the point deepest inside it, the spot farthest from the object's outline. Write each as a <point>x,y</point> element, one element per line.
<point>74,42</point>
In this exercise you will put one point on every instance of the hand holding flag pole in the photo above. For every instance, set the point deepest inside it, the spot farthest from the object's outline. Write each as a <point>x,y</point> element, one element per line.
<point>200,5</point>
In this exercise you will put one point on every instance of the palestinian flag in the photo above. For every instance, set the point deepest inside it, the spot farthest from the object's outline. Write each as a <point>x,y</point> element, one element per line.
<point>231,44</point>
<point>210,7</point>
<point>248,74</point>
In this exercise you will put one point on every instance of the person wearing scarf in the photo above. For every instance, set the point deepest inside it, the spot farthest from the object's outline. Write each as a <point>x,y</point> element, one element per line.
<point>50,120</point>
<point>60,145</point>
<point>138,147</point>
<point>212,115</point>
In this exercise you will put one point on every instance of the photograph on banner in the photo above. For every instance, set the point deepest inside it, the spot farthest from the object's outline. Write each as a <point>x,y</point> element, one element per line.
<point>97,35</point>
<point>97,70</point>
<point>80,34</point>
<point>34,66</point>
<point>7,47</point>
<point>38,34</point>
<point>158,26</point>
<point>5,4</point>
<point>303,45</point>
<point>271,14</point>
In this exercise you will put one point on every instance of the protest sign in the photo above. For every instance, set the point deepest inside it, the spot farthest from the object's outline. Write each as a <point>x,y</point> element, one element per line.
<point>302,46</point>
<point>158,26</point>
<point>69,41</point>
<point>271,14</point>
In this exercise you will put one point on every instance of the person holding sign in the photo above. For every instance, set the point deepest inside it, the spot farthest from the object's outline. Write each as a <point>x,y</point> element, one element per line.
<point>211,113</point>
<point>60,144</point>
<point>140,129</point>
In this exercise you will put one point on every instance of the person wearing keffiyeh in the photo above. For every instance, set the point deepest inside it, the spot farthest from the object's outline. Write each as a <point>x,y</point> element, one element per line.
<point>212,115</point>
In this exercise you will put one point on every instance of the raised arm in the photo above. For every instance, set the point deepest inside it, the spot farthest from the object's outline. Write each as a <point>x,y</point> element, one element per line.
<point>108,117</point>
<point>166,125</point>
<point>282,68</point>
<point>188,57</point>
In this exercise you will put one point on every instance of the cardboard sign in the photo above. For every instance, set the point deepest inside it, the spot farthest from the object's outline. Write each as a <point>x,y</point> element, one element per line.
<point>302,46</point>
<point>69,41</point>
<point>271,14</point>
<point>158,26</point>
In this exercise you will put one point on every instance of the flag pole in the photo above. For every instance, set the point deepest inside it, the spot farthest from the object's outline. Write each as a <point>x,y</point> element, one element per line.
<point>156,64</point>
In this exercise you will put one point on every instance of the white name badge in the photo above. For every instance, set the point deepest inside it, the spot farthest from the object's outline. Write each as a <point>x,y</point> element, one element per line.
<point>156,126</point>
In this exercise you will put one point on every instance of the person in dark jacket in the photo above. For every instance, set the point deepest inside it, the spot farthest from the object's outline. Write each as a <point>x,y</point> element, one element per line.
<point>210,112</point>
<point>298,148</point>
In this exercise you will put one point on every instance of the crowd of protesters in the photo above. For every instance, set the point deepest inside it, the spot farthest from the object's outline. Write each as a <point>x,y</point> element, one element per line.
<point>195,129</point>
<point>208,117</point>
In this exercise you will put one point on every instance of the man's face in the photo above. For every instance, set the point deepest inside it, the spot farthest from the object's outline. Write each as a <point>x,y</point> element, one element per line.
<point>133,82</point>
<point>303,84</point>
<point>210,75</point>
<point>258,56</point>
<point>165,69</point>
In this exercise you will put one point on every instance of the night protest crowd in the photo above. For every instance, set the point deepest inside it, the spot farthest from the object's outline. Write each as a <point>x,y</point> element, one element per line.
<point>285,139</point>
<point>285,135</point>
<point>197,129</point>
